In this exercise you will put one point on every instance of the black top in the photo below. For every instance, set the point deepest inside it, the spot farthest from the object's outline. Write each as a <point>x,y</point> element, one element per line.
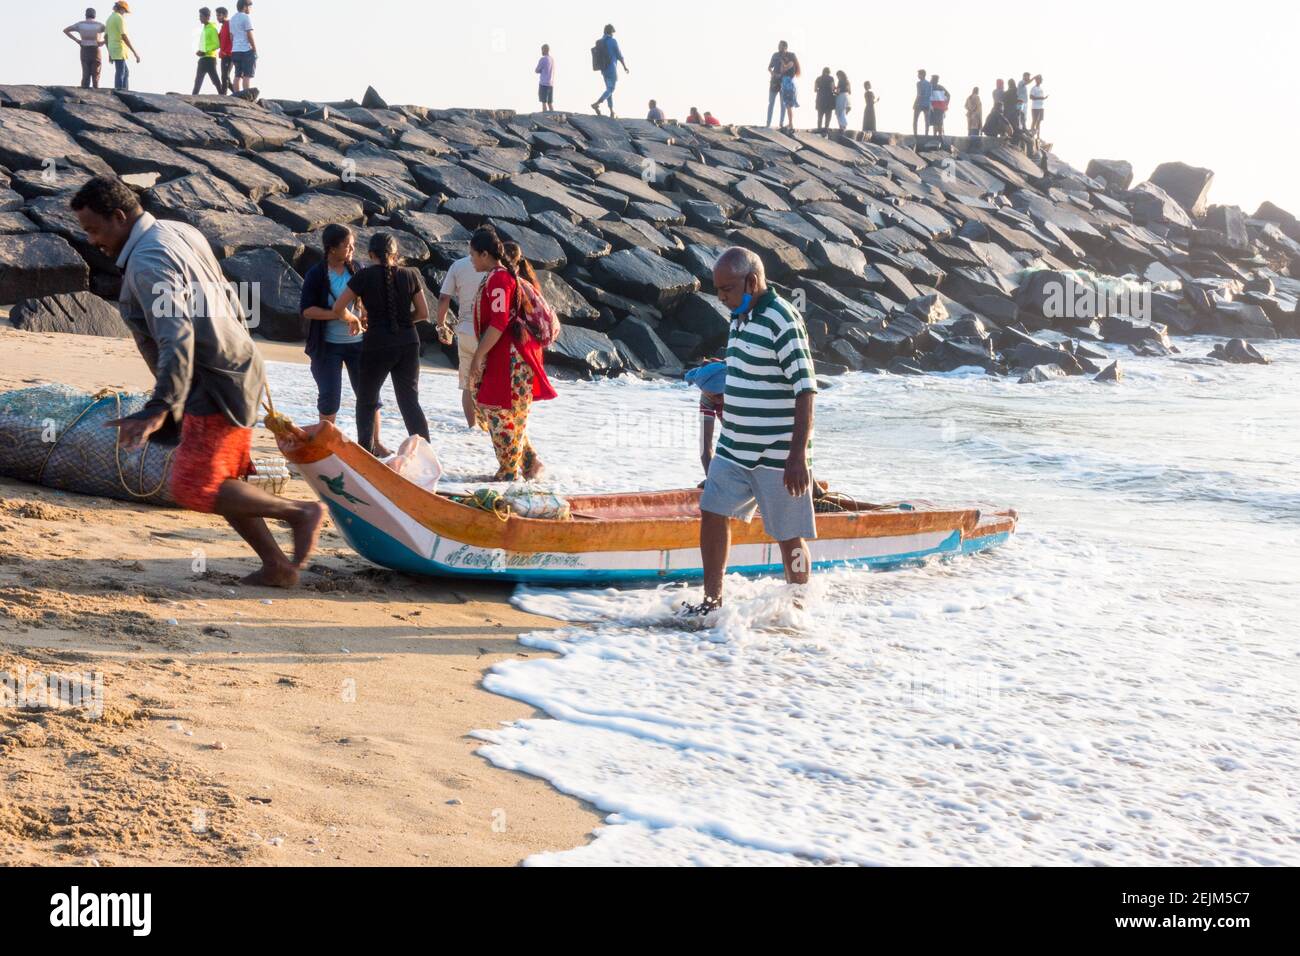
<point>388,326</point>
<point>825,90</point>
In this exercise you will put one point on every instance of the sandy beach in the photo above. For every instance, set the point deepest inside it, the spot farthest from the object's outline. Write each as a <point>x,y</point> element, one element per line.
<point>244,726</point>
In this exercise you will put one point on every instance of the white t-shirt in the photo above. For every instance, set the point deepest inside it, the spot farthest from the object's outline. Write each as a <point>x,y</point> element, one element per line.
<point>462,284</point>
<point>1037,97</point>
<point>240,25</point>
<point>89,30</point>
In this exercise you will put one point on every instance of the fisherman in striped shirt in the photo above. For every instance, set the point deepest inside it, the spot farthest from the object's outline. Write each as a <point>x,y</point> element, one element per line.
<point>761,461</point>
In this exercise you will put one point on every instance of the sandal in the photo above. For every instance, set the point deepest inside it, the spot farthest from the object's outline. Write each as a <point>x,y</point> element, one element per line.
<point>703,609</point>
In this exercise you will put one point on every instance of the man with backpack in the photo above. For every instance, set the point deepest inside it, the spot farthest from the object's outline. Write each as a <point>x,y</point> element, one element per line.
<point>605,58</point>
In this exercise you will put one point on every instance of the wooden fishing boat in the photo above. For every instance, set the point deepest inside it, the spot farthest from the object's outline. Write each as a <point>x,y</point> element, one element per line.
<point>637,537</point>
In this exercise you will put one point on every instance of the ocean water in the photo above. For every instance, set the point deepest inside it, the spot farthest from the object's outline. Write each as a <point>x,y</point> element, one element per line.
<point>1118,685</point>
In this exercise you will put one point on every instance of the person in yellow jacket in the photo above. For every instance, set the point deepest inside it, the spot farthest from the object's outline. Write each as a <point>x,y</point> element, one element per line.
<point>118,43</point>
<point>209,44</point>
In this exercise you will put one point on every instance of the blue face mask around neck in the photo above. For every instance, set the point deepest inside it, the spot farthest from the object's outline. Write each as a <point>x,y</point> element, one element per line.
<point>746,304</point>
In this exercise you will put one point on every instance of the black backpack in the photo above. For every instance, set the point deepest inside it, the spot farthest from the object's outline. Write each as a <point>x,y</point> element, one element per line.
<point>600,56</point>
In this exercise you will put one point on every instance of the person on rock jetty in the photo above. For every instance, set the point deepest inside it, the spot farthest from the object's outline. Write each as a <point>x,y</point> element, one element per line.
<point>1038,102</point>
<point>694,118</point>
<point>333,344</point>
<point>1011,106</point>
<point>711,120</point>
<point>243,46</point>
<point>463,283</point>
<point>227,50</point>
<point>843,92</point>
<point>508,364</point>
<point>762,458</point>
<point>655,115</point>
<point>939,101</point>
<point>546,79</point>
<point>605,57</point>
<point>393,298</point>
<point>1022,100</point>
<point>824,94</point>
<point>209,47</point>
<point>774,73</point>
<point>191,332</point>
<point>974,113</point>
<point>117,41</point>
<point>921,106</point>
<point>711,379</point>
<point>88,34</point>
<point>790,71</point>
<point>870,99</point>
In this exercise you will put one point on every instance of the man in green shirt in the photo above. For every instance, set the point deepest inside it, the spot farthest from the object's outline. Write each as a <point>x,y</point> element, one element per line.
<point>761,462</point>
<point>209,44</point>
<point>118,43</point>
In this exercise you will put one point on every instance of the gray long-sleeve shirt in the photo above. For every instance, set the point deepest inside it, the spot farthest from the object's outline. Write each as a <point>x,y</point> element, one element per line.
<point>188,324</point>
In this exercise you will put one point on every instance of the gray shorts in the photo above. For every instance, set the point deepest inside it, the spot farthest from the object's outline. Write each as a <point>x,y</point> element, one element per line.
<point>737,492</point>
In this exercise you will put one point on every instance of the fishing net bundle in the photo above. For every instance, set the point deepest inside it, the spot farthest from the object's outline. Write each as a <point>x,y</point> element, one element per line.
<point>54,435</point>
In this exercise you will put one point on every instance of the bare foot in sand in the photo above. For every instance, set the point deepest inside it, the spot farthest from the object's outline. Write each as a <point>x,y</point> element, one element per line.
<point>306,529</point>
<point>273,576</point>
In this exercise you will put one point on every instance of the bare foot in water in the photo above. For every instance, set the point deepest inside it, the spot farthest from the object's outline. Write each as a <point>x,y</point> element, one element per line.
<point>535,472</point>
<point>273,576</point>
<point>306,529</point>
<point>381,452</point>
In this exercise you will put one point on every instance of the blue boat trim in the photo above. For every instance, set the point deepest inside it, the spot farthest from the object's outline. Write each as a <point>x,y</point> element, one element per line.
<point>381,548</point>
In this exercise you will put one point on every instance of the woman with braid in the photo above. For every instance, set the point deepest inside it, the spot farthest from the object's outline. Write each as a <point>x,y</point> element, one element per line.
<point>394,302</point>
<point>508,363</point>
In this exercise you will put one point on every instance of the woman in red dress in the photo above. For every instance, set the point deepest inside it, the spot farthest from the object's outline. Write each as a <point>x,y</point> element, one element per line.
<point>508,364</point>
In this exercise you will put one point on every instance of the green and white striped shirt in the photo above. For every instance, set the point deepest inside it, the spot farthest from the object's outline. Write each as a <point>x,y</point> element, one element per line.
<point>768,366</point>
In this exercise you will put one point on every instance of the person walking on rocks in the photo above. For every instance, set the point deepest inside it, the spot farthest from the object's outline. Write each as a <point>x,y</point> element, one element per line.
<point>208,375</point>
<point>508,365</point>
<point>243,46</point>
<point>333,344</point>
<point>974,113</point>
<point>546,79</point>
<point>824,93</point>
<point>843,91</point>
<point>117,41</point>
<point>1037,100</point>
<point>870,99</point>
<point>227,49</point>
<point>774,78</point>
<point>605,57</point>
<point>921,106</point>
<point>393,298</point>
<point>462,283</point>
<point>88,34</point>
<point>209,47</point>
<point>762,458</point>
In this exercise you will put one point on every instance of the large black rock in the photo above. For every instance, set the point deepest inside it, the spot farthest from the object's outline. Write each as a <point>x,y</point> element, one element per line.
<point>185,129</point>
<point>579,245</point>
<point>230,233</point>
<point>646,276</point>
<point>1117,174</point>
<point>384,195</point>
<point>539,194</point>
<point>39,264</point>
<point>1238,320</point>
<point>252,179</point>
<point>584,350</point>
<point>705,316</point>
<point>1238,352</point>
<point>197,191</point>
<point>129,153</point>
<point>567,302</point>
<point>652,353</point>
<point>77,313</point>
<point>1188,185</point>
<point>313,211</point>
<point>538,248</point>
<point>30,140</point>
<point>276,293</point>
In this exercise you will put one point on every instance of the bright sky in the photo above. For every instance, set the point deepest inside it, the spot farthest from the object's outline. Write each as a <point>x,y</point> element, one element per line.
<point>1202,81</point>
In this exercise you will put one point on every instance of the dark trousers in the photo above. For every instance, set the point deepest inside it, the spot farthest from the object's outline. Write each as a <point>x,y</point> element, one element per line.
<point>90,66</point>
<point>207,68</point>
<point>121,74</point>
<point>402,362</point>
<point>227,64</point>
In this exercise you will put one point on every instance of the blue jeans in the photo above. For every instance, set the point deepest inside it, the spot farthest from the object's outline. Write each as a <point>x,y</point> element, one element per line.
<point>611,80</point>
<point>327,364</point>
<point>121,75</point>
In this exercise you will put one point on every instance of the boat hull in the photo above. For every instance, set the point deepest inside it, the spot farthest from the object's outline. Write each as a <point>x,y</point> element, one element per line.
<point>611,539</point>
